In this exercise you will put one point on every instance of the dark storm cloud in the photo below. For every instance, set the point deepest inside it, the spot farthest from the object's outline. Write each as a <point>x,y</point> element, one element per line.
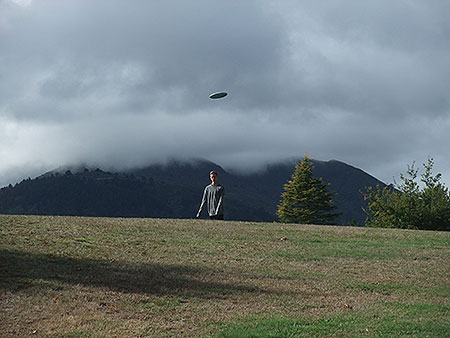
<point>140,52</point>
<point>126,83</point>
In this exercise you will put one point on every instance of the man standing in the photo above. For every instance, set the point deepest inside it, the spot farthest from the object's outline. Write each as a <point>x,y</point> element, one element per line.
<point>213,198</point>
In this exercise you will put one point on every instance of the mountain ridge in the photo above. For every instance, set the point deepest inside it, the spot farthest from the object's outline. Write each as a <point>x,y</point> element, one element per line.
<point>174,189</point>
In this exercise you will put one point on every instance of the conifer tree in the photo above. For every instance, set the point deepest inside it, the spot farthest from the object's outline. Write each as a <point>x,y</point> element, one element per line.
<point>306,199</point>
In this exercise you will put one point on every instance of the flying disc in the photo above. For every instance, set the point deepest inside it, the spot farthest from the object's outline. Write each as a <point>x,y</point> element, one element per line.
<point>218,95</point>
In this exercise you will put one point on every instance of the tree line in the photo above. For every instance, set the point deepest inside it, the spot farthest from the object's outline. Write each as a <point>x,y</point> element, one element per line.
<point>406,205</point>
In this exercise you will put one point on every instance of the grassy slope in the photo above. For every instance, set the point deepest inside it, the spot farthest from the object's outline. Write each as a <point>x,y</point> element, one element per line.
<point>105,277</point>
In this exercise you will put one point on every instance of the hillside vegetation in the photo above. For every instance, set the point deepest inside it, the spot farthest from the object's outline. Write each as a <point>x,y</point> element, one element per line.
<point>115,277</point>
<point>175,191</point>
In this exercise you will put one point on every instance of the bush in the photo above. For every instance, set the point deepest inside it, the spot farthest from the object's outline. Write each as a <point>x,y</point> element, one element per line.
<point>407,205</point>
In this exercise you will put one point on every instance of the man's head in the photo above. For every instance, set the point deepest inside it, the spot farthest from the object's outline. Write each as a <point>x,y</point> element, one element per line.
<point>213,176</point>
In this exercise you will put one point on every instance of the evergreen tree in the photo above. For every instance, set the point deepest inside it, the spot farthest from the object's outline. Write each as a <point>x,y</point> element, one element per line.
<point>306,199</point>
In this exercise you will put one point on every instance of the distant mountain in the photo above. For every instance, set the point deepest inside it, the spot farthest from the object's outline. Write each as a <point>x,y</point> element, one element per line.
<point>174,190</point>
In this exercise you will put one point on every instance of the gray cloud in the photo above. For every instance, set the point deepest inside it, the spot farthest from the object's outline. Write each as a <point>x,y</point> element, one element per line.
<point>126,83</point>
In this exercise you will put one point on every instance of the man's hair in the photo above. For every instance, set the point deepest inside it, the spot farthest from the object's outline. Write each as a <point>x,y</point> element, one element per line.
<point>212,172</point>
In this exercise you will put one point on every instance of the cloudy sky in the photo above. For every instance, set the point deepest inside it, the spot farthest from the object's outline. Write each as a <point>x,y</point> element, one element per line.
<point>125,83</point>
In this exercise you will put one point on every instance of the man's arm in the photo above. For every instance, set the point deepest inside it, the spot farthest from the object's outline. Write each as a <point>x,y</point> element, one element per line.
<point>202,205</point>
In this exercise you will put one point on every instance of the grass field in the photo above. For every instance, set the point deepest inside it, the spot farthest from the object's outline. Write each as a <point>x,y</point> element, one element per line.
<point>109,277</point>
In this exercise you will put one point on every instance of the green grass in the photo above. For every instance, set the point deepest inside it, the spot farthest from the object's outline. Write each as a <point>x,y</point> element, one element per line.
<point>350,324</point>
<point>104,277</point>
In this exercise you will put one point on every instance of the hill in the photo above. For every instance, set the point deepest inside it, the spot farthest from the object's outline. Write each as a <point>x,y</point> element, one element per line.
<point>174,191</point>
<point>116,277</point>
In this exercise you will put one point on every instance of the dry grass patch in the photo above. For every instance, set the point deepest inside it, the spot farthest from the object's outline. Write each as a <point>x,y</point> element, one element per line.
<point>104,277</point>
